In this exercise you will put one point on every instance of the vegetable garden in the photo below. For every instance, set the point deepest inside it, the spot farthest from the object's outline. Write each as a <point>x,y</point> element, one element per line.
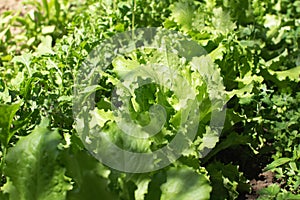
<point>236,57</point>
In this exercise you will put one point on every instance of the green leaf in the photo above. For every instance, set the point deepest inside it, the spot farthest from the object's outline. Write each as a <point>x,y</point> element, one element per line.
<point>225,180</point>
<point>24,58</point>
<point>221,21</point>
<point>101,117</point>
<point>209,140</point>
<point>48,29</point>
<point>57,8</point>
<point>89,175</point>
<point>182,13</point>
<point>46,7</point>
<point>33,166</point>
<point>244,92</point>
<point>16,82</point>
<point>277,163</point>
<point>45,47</point>
<point>287,195</point>
<point>270,191</point>
<point>9,191</point>
<point>93,88</point>
<point>3,196</point>
<point>142,187</point>
<point>7,113</point>
<point>185,184</point>
<point>123,66</point>
<point>293,74</point>
<point>154,190</point>
<point>217,54</point>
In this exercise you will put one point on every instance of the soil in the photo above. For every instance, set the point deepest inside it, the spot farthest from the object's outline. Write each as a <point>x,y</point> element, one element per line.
<point>13,5</point>
<point>264,180</point>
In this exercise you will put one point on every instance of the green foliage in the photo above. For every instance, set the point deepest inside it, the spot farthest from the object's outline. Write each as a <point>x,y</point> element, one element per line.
<point>33,169</point>
<point>7,113</point>
<point>253,46</point>
<point>183,184</point>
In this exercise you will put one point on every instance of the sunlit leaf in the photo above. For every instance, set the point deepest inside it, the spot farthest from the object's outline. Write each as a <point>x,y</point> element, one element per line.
<point>33,166</point>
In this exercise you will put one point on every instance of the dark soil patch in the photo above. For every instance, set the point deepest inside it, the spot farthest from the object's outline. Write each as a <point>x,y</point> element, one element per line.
<point>264,180</point>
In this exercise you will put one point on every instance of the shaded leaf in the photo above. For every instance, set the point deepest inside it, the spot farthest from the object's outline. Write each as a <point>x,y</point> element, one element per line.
<point>185,184</point>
